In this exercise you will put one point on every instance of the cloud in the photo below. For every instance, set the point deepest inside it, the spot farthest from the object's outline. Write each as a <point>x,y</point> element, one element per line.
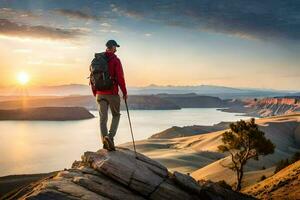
<point>76,14</point>
<point>132,13</point>
<point>109,31</point>
<point>252,19</point>
<point>25,51</point>
<point>12,13</point>
<point>106,24</point>
<point>9,28</point>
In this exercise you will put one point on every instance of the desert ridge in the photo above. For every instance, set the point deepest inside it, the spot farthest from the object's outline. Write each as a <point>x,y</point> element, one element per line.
<point>199,155</point>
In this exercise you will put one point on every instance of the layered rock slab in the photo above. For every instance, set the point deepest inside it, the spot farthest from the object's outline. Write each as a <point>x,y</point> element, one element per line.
<point>122,175</point>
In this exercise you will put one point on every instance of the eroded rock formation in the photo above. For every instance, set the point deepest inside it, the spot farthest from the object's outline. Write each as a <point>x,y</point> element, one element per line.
<point>122,175</point>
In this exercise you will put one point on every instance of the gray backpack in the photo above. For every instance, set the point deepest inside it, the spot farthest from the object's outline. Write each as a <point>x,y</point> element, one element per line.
<point>100,78</point>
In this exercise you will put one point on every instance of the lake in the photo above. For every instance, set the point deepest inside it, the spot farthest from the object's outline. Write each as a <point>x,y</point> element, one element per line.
<point>44,146</point>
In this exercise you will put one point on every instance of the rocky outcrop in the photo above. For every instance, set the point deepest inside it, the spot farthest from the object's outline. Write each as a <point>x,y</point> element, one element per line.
<point>275,106</point>
<point>122,175</point>
<point>265,107</point>
<point>46,113</point>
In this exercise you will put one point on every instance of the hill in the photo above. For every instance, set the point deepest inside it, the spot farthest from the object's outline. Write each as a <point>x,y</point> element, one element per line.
<point>198,154</point>
<point>119,175</point>
<point>146,102</point>
<point>251,107</point>
<point>195,101</point>
<point>285,184</point>
<point>207,90</point>
<point>46,113</point>
<point>265,107</point>
<point>185,131</point>
<point>15,182</point>
<point>283,131</point>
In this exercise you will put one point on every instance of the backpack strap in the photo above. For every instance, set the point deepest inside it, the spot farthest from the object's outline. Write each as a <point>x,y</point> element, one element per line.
<point>107,60</point>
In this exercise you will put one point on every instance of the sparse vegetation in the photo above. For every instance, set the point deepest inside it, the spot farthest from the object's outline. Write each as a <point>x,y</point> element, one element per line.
<point>244,141</point>
<point>295,157</point>
<point>281,164</point>
<point>285,162</point>
<point>263,177</point>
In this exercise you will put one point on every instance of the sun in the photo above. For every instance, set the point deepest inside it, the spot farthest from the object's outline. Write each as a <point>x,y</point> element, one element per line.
<point>23,78</point>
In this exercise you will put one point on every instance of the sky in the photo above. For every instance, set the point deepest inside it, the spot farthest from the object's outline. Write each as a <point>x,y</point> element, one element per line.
<point>235,43</point>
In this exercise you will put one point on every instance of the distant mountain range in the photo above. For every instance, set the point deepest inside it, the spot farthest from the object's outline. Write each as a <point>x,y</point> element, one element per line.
<point>211,90</point>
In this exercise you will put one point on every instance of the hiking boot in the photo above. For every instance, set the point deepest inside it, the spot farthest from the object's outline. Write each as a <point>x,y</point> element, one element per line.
<point>105,143</point>
<point>110,142</point>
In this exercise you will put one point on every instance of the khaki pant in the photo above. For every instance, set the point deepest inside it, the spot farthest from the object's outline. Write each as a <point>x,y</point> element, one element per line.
<point>113,102</point>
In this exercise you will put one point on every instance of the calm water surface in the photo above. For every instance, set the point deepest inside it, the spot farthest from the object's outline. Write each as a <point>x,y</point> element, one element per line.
<point>44,146</point>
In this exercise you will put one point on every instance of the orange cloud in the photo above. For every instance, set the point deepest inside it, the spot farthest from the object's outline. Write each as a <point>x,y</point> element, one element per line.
<point>9,28</point>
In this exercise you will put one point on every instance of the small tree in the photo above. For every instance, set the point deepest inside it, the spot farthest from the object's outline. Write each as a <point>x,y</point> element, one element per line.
<point>263,177</point>
<point>281,164</point>
<point>295,157</point>
<point>244,141</point>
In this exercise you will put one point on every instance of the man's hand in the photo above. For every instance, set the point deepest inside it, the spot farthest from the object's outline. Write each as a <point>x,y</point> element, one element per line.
<point>125,97</point>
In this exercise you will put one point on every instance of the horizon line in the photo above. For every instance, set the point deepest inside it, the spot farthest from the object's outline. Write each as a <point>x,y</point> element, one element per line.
<point>157,85</point>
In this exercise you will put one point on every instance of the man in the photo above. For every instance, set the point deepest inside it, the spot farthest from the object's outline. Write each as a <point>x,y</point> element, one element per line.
<point>110,98</point>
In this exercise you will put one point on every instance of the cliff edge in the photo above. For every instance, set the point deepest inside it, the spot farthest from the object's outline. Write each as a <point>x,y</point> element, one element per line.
<point>122,174</point>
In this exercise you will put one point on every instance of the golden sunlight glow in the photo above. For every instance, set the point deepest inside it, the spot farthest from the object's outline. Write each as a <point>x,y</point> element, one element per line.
<point>23,78</point>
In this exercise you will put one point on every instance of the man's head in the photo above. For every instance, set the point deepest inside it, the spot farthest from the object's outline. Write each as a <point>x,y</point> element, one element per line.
<point>112,46</point>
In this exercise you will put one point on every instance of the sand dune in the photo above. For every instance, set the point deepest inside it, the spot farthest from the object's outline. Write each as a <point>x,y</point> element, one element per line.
<point>282,185</point>
<point>185,131</point>
<point>199,155</point>
<point>177,153</point>
<point>282,130</point>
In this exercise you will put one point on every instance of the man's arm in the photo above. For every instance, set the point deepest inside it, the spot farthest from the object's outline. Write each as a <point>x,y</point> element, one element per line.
<point>120,78</point>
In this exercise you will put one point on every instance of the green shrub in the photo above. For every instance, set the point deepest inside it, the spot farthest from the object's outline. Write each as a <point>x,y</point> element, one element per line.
<point>295,157</point>
<point>263,177</point>
<point>282,164</point>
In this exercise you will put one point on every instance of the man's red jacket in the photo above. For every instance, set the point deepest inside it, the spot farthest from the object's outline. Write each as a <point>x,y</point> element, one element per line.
<point>116,72</point>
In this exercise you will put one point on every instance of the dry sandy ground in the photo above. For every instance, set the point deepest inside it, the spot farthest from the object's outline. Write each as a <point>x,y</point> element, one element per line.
<point>283,185</point>
<point>14,182</point>
<point>199,155</point>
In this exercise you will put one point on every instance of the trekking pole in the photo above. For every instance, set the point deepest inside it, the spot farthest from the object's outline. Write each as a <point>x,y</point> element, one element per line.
<point>130,128</point>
